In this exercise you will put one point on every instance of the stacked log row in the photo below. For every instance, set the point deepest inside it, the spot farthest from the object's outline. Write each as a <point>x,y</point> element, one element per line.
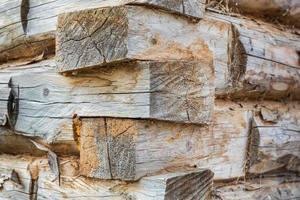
<point>128,102</point>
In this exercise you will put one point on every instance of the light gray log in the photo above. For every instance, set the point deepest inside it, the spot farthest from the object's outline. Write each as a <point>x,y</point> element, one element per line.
<point>176,91</point>
<point>21,35</point>
<point>183,185</point>
<point>259,189</point>
<point>274,140</point>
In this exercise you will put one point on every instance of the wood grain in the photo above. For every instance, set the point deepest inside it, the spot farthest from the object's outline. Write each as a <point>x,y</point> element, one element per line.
<point>270,67</point>
<point>274,141</point>
<point>286,187</point>
<point>133,148</point>
<point>175,91</point>
<point>20,164</point>
<point>168,185</point>
<point>143,34</point>
<point>21,35</point>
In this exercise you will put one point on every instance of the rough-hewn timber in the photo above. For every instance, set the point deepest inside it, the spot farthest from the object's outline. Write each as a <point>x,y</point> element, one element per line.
<point>21,21</point>
<point>144,34</point>
<point>135,90</point>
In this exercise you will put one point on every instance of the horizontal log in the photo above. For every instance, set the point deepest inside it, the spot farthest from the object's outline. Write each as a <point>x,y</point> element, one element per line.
<point>144,34</point>
<point>129,149</point>
<point>261,188</point>
<point>270,61</point>
<point>36,181</point>
<point>274,140</point>
<point>286,12</point>
<point>263,40</point>
<point>20,29</point>
<point>168,185</point>
<point>175,91</point>
<point>264,79</point>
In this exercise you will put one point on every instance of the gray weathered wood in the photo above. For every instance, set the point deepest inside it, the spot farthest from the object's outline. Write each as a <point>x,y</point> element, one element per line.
<point>265,79</point>
<point>270,62</point>
<point>274,140</point>
<point>194,184</point>
<point>259,189</point>
<point>20,164</point>
<point>175,91</point>
<point>20,27</point>
<point>264,40</point>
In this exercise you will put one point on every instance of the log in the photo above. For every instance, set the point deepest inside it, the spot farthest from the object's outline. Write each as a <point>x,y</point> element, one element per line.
<point>274,140</point>
<point>137,33</point>
<point>176,91</point>
<point>128,149</point>
<point>264,79</point>
<point>168,185</point>
<point>20,29</point>
<point>260,188</point>
<point>270,61</point>
<point>286,12</point>
<point>263,40</point>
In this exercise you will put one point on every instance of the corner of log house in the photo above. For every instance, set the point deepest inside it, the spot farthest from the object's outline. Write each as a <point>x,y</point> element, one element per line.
<point>149,99</point>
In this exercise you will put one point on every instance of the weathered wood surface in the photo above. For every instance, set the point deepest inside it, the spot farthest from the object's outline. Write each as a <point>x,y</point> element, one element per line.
<point>270,68</point>
<point>13,143</point>
<point>176,91</point>
<point>264,40</point>
<point>4,96</point>
<point>259,189</point>
<point>144,34</point>
<point>21,165</point>
<point>264,79</point>
<point>20,25</point>
<point>286,12</point>
<point>128,149</point>
<point>274,140</point>
<point>164,186</point>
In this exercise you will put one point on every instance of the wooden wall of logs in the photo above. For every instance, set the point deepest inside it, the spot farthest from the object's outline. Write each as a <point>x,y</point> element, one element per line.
<point>149,99</point>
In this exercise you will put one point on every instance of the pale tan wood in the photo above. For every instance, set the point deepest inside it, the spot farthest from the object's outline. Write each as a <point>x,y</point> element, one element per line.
<point>144,147</point>
<point>274,140</point>
<point>286,187</point>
